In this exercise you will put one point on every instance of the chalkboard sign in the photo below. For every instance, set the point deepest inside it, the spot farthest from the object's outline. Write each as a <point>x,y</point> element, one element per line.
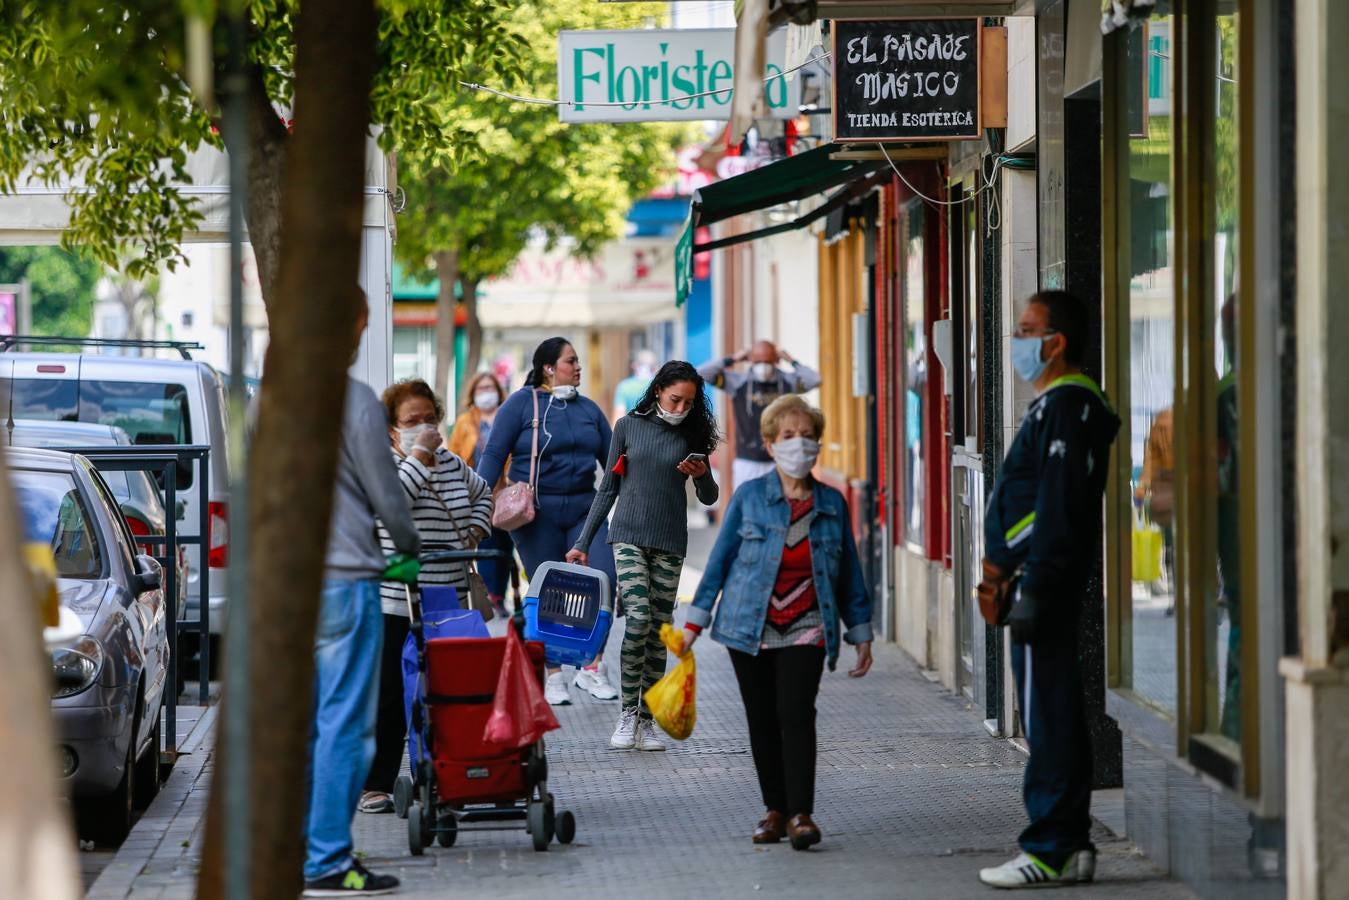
<point>906,79</point>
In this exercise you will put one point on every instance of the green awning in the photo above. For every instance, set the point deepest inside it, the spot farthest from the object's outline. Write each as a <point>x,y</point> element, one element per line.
<point>405,287</point>
<point>780,182</point>
<point>793,178</point>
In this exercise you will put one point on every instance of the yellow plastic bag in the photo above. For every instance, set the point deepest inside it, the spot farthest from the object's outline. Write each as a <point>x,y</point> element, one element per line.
<point>672,699</point>
<point>1147,551</point>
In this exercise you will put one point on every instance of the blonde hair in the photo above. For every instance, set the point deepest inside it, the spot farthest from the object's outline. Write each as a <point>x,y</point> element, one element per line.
<point>787,405</point>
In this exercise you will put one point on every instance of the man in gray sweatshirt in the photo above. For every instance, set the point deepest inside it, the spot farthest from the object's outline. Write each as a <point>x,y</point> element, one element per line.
<point>348,642</point>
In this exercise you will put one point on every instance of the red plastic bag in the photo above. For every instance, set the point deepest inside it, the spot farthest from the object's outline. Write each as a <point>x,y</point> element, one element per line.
<point>520,713</point>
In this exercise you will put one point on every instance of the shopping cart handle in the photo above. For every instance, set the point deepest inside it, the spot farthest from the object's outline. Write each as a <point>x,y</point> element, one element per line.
<point>463,555</point>
<point>402,567</point>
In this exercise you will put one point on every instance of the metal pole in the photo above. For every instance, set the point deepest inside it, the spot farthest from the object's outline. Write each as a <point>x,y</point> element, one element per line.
<point>237,761</point>
<point>170,563</point>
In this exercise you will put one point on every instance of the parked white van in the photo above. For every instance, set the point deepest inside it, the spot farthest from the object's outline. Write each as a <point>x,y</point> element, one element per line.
<point>156,402</point>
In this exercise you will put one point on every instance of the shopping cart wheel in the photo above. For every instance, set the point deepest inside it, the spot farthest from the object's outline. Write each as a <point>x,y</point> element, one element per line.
<point>402,795</point>
<point>447,831</point>
<point>537,826</point>
<point>566,827</point>
<point>415,827</point>
<point>549,819</point>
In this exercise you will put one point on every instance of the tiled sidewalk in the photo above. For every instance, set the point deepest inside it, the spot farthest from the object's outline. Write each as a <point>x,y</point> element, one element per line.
<point>914,797</point>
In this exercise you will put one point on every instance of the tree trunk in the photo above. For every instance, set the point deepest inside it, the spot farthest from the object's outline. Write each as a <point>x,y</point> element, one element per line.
<point>267,139</point>
<point>37,849</point>
<point>447,270</point>
<point>312,312</point>
<point>474,328</point>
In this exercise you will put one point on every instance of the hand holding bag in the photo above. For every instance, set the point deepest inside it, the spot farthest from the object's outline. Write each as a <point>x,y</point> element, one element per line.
<point>515,502</point>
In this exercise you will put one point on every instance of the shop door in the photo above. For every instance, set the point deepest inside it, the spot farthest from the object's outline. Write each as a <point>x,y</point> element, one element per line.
<point>967,481</point>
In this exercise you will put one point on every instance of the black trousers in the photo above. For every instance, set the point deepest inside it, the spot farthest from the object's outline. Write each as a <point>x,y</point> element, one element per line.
<point>390,719</point>
<point>779,688</point>
<point>1057,786</point>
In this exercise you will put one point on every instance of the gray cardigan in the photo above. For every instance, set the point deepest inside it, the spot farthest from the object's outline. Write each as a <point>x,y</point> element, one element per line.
<point>367,486</point>
<point>650,495</point>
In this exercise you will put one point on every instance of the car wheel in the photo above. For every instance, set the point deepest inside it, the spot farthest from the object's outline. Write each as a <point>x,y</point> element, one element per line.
<point>147,770</point>
<point>107,820</point>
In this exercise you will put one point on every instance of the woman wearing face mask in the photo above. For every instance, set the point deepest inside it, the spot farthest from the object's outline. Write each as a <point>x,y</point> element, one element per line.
<point>573,437</point>
<point>787,571</point>
<point>664,441</point>
<point>452,506</point>
<point>467,441</point>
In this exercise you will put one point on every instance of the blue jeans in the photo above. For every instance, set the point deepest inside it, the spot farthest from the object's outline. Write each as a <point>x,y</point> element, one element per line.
<point>342,740</point>
<point>496,573</point>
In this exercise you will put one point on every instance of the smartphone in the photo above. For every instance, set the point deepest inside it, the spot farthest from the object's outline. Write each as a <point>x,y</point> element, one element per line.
<point>696,458</point>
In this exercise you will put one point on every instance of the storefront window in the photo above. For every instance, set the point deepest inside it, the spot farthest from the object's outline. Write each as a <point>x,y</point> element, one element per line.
<point>973,383</point>
<point>1152,364</point>
<point>915,371</point>
<point>1222,618</point>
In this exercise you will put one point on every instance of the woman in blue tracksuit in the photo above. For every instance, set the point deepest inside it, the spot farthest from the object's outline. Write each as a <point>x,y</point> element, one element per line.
<point>573,438</point>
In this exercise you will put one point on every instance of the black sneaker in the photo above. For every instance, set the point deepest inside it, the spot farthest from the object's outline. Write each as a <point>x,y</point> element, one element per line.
<point>356,881</point>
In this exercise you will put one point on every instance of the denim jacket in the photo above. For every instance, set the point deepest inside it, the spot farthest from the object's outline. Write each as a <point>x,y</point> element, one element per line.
<point>748,553</point>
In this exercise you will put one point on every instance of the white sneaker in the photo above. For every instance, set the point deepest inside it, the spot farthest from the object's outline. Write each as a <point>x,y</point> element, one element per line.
<point>1025,871</point>
<point>625,735</point>
<point>646,738</point>
<point>555,689</point>
<point>593,682</point>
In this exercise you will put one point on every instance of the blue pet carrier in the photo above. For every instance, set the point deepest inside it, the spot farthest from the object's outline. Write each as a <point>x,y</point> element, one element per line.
<point>569,609</point>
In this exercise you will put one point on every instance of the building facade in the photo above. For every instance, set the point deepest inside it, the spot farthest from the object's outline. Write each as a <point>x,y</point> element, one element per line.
<point>1171,163</point>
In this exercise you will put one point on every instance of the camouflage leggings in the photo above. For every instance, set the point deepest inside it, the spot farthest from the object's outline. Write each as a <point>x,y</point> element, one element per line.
<point>648,581</point>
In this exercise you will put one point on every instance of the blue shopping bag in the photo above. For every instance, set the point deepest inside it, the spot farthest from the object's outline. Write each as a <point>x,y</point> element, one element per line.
<point>441,618</point>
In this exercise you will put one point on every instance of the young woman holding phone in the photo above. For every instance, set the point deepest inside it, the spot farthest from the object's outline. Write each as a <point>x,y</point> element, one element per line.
<point>664,441</point>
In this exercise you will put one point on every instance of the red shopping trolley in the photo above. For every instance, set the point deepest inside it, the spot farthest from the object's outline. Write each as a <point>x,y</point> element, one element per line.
<point>461,781</point>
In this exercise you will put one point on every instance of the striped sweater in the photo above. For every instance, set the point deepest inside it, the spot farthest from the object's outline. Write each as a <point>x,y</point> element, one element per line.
<point>451,485</point>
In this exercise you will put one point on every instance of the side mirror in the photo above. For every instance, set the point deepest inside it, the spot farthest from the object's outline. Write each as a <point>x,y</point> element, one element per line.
<point>149,575</point>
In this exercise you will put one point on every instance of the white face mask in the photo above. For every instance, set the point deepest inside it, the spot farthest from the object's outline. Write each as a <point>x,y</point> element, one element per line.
<point>646,373</point>
<point>564,391</point>
<point>670,418</point>
<point>763,371</point>
<point>486,400</point>
<point>407,437</point>
<point>796,456</point>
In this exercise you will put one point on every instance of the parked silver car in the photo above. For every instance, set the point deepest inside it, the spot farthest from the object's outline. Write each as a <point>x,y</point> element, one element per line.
<point>108,684</point>
<point>136,492</point>
<point>156,402</point>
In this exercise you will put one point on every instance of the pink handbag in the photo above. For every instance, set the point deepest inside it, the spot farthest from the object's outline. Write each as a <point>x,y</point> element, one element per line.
<point>515,502</point>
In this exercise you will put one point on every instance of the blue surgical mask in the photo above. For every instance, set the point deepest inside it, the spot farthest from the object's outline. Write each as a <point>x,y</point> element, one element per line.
<point>1026,359</point>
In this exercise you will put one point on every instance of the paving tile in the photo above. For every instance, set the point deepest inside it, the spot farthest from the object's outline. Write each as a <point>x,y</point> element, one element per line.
<point>913,797</point>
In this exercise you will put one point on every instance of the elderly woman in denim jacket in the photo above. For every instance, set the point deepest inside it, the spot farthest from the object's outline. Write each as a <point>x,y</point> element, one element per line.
<point>787,570</point>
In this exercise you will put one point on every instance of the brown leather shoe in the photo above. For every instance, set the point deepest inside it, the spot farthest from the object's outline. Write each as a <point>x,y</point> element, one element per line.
<point>803,832</point>
<point>771,829</point>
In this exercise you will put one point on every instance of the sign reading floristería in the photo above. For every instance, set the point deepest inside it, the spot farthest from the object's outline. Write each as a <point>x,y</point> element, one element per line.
<point>662,75</point>
<point>906,80</point>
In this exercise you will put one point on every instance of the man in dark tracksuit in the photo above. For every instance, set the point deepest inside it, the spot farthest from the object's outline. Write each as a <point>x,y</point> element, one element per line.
<point>1042,531</point>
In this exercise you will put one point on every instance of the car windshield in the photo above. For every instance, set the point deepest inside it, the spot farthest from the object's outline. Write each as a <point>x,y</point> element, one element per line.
<point>53,513</point>
<point>44,398</point>
<point>150,413</point>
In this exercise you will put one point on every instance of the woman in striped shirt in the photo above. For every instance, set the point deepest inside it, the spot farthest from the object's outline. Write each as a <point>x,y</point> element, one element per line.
<point>452,506</point>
